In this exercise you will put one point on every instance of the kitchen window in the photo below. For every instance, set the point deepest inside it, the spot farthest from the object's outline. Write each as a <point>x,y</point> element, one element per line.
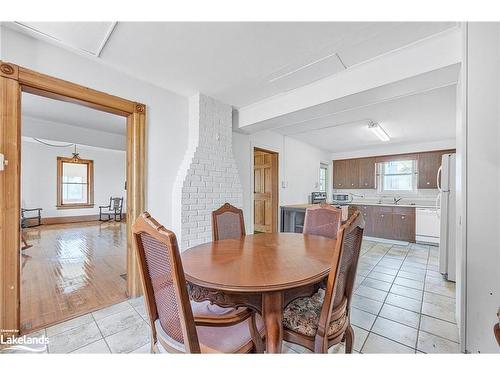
<point>323,177</point>
<point>398,176</point>
<point>75,183</point>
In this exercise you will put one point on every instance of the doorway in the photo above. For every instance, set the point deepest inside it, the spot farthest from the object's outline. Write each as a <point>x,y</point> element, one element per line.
<point>265,192</point>
<point>73,172</point>
<point>14,80</point>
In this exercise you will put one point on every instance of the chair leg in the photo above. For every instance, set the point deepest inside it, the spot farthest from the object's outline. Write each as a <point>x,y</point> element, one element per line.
<point>349,339</point>
<point>254,332</point>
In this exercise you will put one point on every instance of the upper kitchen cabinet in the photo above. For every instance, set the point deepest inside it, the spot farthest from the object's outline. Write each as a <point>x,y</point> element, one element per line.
<point>354,173</point>
<point>367,173</point>
<point>428,165</point>
<point>341,174</point>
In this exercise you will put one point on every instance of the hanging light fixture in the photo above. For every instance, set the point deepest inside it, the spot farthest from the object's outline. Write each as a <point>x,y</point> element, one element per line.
<point>76,156</point>
<point>379,131</point>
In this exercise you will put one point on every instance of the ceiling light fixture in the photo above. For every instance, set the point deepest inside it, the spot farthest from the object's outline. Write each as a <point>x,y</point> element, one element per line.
<point>76,156</point>
<point>379,131</point>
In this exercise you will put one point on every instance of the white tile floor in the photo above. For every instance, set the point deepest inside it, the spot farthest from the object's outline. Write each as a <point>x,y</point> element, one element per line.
<point>401,304</point>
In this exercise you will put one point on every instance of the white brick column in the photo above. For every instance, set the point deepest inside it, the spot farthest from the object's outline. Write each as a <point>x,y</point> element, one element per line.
<point>208,176</point>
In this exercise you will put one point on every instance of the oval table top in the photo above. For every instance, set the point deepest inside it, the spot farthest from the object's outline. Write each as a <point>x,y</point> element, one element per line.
<point>260,262</point>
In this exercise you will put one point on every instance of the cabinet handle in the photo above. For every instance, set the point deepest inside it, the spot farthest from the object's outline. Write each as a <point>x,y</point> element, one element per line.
<point>428,183</point>
<point>352,184</point>
<point>402,217</point>
<point>381,215</point>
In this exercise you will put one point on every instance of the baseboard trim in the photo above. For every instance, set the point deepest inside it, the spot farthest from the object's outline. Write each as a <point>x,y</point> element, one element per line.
<point>69,219</point>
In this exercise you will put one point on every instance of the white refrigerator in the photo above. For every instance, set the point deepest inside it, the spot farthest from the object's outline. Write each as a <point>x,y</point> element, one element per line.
<point>446,212</point>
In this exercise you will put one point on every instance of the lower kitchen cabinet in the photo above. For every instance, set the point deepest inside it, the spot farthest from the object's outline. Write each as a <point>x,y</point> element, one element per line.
<point>394,223</point>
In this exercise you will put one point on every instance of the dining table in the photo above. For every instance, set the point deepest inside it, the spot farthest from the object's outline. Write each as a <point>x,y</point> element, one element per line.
<point>263,272</point>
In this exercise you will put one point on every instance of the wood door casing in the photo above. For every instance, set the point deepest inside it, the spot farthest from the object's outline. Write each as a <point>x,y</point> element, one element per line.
<point>265,193</point>
<point>14,80</point>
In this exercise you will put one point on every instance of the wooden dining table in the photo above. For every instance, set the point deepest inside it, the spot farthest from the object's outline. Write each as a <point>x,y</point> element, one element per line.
<point>263,272</point>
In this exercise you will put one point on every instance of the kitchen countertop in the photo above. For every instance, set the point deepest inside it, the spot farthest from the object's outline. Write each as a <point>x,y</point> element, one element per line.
<point>423,204</point>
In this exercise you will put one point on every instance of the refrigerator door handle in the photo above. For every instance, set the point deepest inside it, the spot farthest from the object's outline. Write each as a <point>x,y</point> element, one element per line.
<point>438,205</point>
<point>438,178</point>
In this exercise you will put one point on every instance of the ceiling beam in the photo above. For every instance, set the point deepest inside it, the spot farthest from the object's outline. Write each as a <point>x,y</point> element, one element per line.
<point>427,55</point>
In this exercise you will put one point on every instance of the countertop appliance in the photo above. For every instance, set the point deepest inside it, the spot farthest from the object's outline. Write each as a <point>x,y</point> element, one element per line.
<point>341,198</point>
<point>427,225</point>
<point>318,197</point>
<point>445,202</point>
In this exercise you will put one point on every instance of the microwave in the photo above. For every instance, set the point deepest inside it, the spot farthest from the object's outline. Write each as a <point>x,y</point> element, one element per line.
<point>341,198</point>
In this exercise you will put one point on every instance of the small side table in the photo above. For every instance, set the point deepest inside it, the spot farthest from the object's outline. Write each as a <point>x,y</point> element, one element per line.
<point>24,218</point>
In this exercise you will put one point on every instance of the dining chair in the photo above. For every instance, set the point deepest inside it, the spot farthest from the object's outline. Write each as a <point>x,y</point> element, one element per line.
<point>323,320</point>
<point>322,220</point>
<point>174,327</point>
<point>227,222</point>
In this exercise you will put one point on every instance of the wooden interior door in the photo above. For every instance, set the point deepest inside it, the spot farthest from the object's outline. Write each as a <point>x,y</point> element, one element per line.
<point>265,194</point>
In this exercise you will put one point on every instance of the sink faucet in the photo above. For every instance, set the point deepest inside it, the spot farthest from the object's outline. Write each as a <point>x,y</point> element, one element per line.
<point>396,200</point>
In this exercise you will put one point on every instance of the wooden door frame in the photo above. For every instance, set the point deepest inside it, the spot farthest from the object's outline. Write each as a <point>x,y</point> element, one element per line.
<point>14,80</point>
<point>275,190</point>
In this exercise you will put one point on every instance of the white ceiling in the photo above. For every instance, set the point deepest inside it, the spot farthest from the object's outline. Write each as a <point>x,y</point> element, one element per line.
<point>57,111</point>
<point>238,63</point>
<point>89,37</point>
<point>423,117</point>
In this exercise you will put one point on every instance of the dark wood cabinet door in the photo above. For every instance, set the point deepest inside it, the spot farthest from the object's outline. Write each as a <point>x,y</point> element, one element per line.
<point>366,173</point>
<point>352,173</point>
<point>340,174</point>
<point>404,224</point>
<point>367,213</point>
<point>382,222</point>
<point>428,165</point>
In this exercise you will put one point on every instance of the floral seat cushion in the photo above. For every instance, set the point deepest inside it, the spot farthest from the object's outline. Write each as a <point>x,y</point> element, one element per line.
<point>302,315</point>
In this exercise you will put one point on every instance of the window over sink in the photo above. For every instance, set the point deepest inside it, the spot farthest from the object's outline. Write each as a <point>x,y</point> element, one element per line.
<point>397,176</point>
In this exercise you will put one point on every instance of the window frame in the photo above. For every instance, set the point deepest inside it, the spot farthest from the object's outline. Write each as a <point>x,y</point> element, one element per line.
<point>325,167</point>
<point>381,174</point>
<point>90,183</point>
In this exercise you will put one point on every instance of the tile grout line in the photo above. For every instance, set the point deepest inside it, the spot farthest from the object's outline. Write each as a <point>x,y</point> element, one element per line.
<point>99,328</point>
<point>422,305</point>
<point>377,316</point>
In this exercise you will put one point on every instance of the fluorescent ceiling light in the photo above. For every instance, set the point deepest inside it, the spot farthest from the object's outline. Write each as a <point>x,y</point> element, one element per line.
<point>379,131</point>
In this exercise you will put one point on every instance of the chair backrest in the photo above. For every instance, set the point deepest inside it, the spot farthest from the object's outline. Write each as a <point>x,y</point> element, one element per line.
<point>115,203</point>
<point>340,282</point>
<point>323,220</point>
<point>227,222</point>
<point>164,285</point>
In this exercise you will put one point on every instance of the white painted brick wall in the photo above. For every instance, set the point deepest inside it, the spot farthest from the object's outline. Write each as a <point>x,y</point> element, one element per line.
<point>212,177</point>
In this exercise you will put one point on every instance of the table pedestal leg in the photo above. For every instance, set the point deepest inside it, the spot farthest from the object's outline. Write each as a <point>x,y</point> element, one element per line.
<point>272,310</point>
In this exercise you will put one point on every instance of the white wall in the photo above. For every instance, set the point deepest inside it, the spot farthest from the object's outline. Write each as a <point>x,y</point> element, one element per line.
<point>39,177</point>
<point>483,185</point>
<point>167,113</point>
<point>298,167</point>
<point>39,128</point>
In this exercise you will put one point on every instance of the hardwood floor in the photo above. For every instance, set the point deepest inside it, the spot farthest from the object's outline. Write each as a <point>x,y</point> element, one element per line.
<point>70,270</point>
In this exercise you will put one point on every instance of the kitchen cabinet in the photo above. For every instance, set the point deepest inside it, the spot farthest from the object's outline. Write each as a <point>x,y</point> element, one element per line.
<point>354,173</point>
<point>382,222</point>
<point>340,174</point>
<point>360,173</point>
<point>389,222</point>
<point>366,174</point>
<point>403,223</point>
<point>428,164</point>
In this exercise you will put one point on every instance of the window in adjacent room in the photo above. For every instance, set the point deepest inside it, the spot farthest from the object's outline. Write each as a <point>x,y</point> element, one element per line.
<point>398,176</point>
<point>75,183</point>
<point>323,177</point>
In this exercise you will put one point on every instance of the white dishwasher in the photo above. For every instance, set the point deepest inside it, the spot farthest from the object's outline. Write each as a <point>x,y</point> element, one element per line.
<point>428,226</point>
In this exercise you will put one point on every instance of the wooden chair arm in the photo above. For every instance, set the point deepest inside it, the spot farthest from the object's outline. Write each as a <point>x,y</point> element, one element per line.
<point>223,321</point>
